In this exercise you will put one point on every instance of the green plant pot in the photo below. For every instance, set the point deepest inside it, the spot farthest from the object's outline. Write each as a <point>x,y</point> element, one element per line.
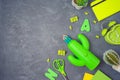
<point>112,58</point>
<point>79,5</point>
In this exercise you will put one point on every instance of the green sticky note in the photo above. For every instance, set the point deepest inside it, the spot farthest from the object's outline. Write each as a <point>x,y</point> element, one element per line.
<point>100,76</point>
<point>85,26</point>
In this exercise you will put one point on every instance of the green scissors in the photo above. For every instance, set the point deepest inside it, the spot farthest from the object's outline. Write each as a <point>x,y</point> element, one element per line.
<point>58,64</point>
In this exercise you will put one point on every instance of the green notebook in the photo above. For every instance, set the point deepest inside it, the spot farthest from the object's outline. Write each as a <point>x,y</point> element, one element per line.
<point>100,76</point>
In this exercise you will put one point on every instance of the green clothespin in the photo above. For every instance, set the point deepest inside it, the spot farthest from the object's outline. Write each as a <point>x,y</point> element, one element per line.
<point>85,26</point>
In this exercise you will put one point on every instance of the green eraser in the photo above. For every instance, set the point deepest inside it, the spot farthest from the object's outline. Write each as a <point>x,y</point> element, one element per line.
<point>100,76</point>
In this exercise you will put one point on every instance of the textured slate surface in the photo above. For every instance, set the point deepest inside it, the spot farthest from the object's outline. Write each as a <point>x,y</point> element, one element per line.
<point>31,31</point>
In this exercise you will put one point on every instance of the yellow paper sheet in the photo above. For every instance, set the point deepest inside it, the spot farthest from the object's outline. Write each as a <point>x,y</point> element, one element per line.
<point>87,76</point>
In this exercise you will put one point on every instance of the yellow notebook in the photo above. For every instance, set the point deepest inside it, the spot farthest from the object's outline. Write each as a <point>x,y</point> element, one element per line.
<point>105,8</point>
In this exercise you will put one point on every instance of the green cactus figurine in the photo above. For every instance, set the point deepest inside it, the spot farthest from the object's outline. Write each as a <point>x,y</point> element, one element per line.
<point>81,56</point>
<point>78,4</point>
<point>112,58</point>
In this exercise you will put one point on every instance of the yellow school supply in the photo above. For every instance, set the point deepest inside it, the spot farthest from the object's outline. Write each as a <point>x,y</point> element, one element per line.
<point>87,76</point>
<point>105,8</point>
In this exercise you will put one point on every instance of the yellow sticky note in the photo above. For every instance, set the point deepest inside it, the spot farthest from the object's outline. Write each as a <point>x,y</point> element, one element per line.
<point>105,8</point>
<point>87,76</point>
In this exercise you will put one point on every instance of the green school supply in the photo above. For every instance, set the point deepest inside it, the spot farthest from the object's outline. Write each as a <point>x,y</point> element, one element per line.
<point>51,75</point>
<point>58,64</point>
<point>111,33</point>
<point>82,56</point>
<point>85,26</point>
<point>100,76</point>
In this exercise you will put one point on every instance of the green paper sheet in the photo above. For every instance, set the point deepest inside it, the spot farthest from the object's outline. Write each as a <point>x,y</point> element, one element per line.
<point>100,76</point>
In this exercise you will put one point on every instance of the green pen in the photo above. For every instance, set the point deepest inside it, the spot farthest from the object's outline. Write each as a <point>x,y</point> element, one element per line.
<point>81,54</point>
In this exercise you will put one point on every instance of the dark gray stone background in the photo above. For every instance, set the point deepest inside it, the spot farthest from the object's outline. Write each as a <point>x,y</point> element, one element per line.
<point>31,31</point>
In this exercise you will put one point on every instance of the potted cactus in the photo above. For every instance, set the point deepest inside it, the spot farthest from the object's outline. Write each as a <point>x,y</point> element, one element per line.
<point>78,4</point>
<point>112,58</point>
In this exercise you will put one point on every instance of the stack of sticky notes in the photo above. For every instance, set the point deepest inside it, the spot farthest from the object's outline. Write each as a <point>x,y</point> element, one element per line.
<point>98,76</point>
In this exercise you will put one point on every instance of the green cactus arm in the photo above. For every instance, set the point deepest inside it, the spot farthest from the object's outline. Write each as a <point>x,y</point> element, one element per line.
<point>75,61</point>
<point>84,41</point>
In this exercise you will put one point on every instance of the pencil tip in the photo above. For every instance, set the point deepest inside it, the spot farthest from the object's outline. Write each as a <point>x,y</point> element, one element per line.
<point>64,36</point>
